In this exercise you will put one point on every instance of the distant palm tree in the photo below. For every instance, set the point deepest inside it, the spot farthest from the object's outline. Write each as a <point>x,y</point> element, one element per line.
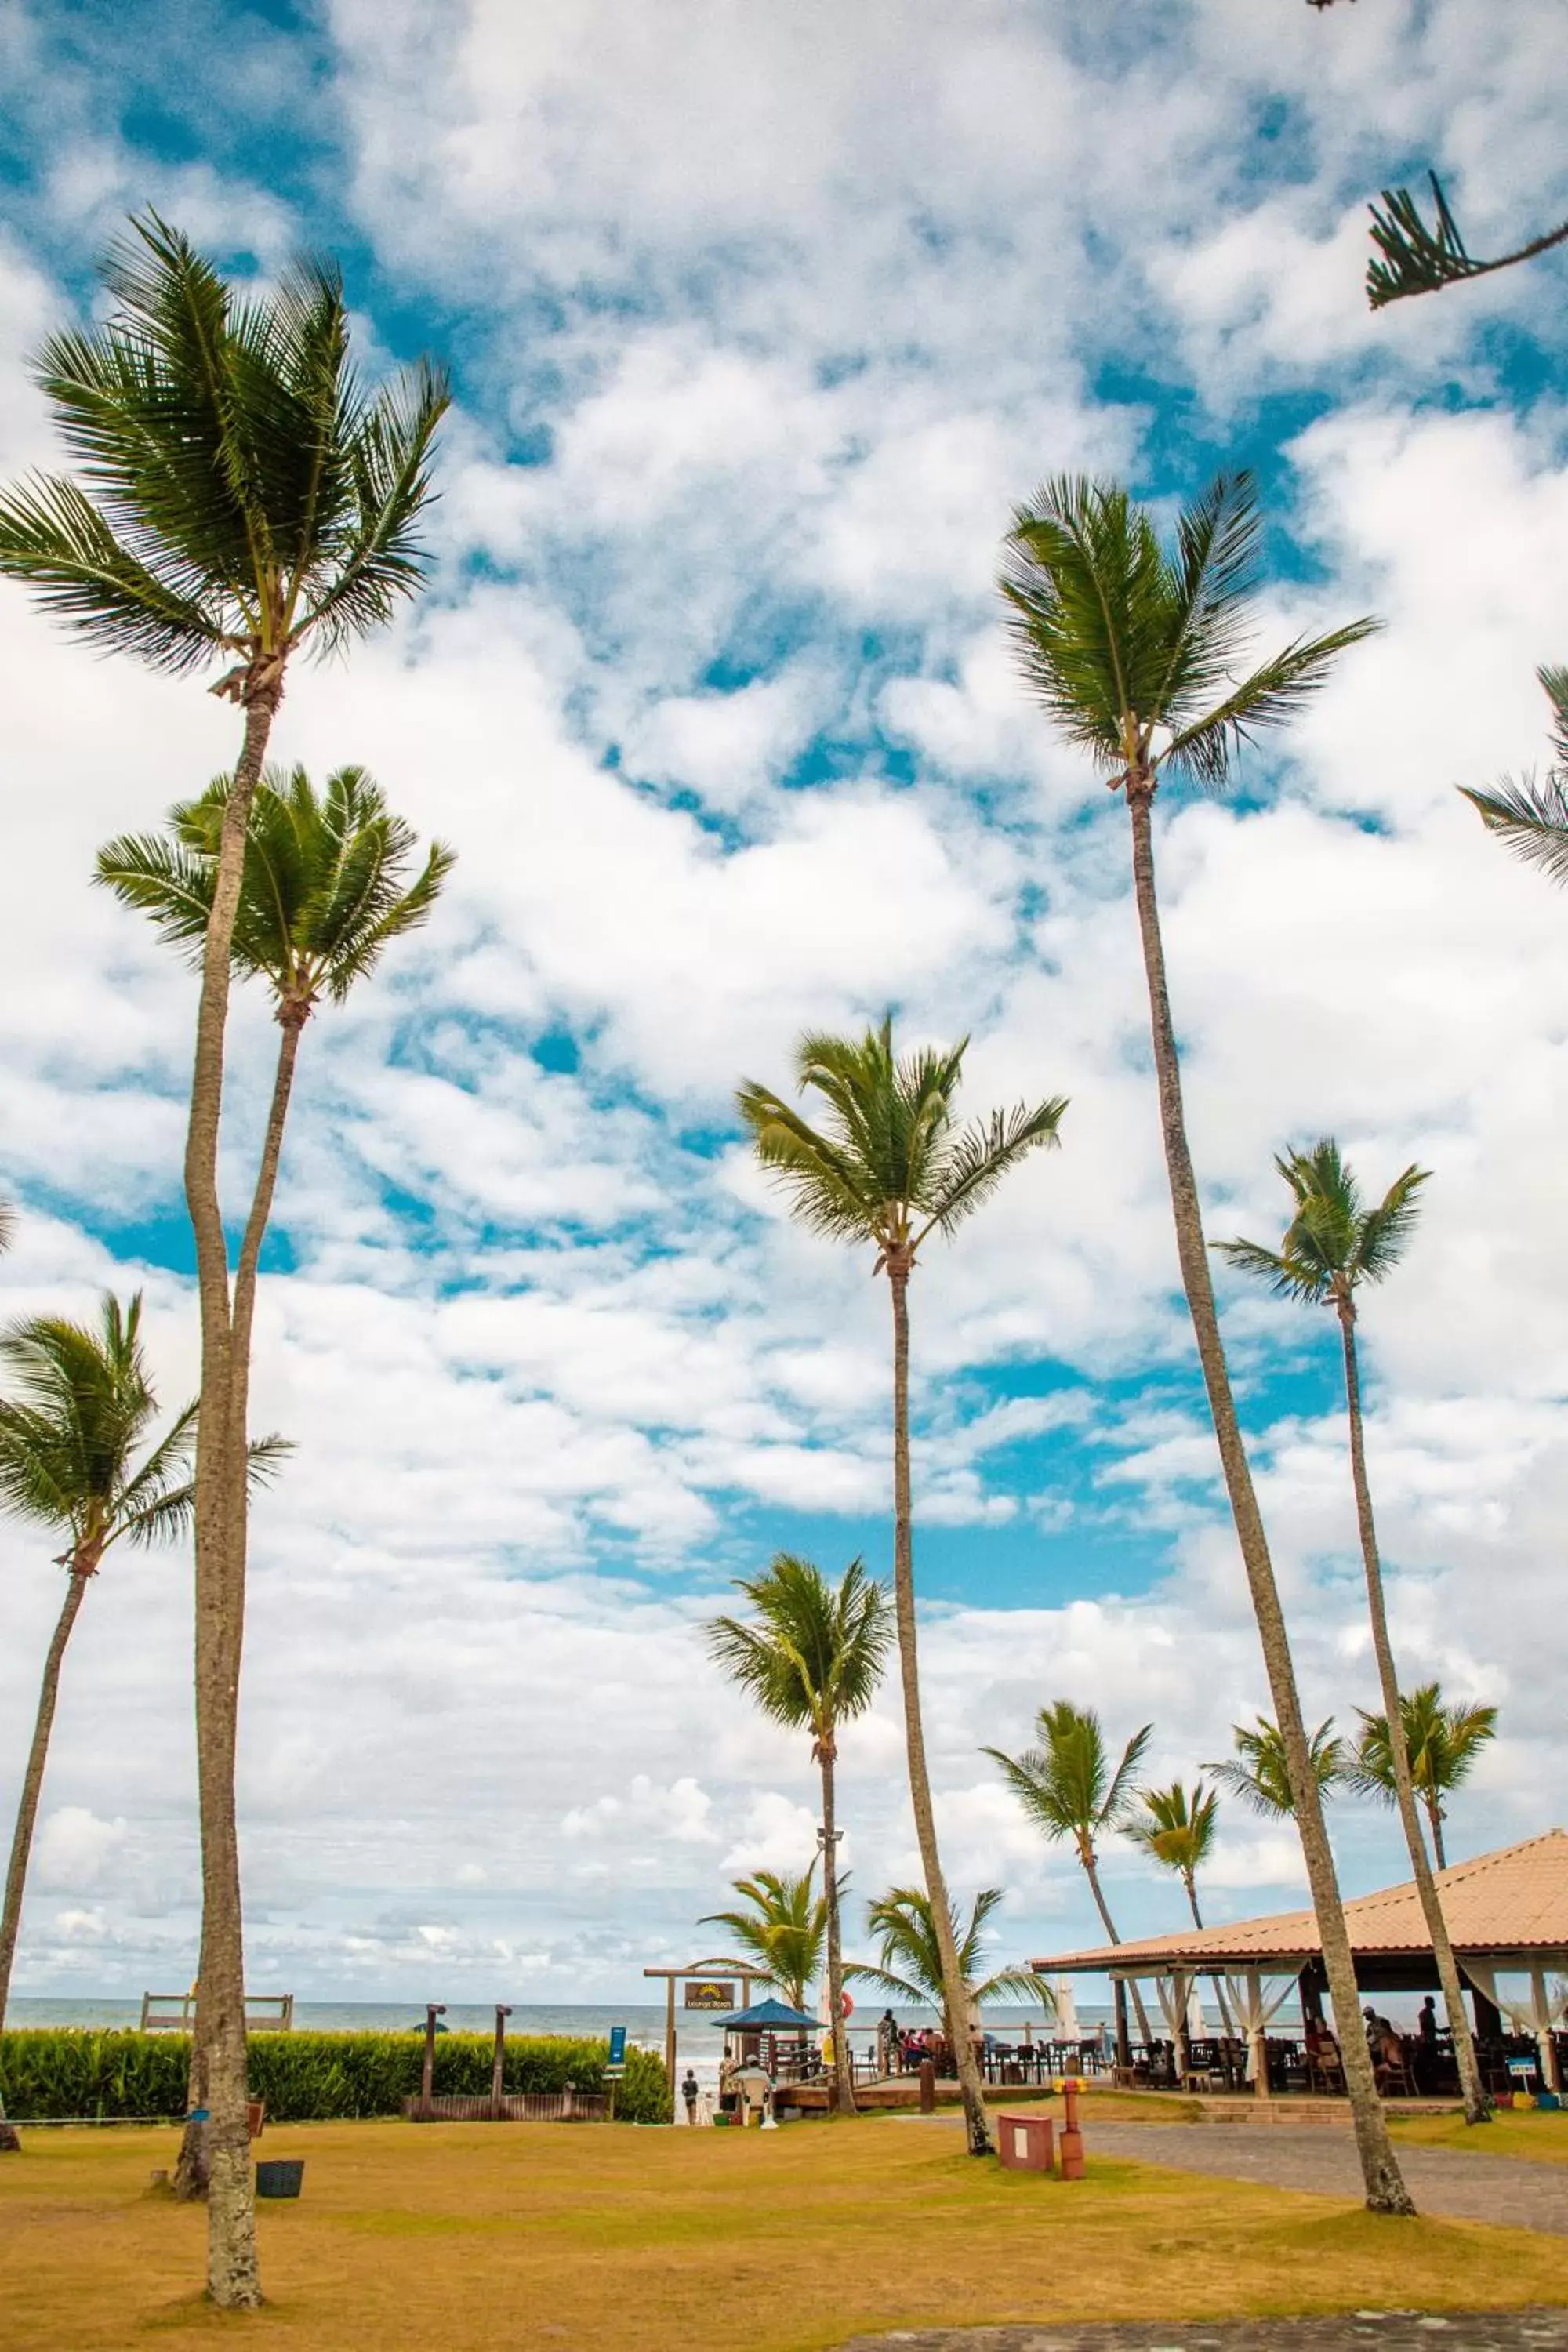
<point>913,1966</point>
<point>1135,647</point>
<point>1335,1245</point>
<point>1178,1829</point>
<point>812,1660</point>
<point>1068,1790</point>
<point>889,1169</point>
<point>1443,1741</point>
<point>783,1931</point>
<point>325,888</point>
<point>72,1434</point>
<point>1258,1772</point>
<point>247,499</point>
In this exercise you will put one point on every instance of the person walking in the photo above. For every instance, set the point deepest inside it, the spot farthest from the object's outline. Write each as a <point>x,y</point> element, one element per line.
<point>688,2090</point>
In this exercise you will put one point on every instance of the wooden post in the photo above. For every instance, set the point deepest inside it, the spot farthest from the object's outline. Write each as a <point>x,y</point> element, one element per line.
<point>1072,2138</point>
<point>497,2069</point>
<point>928,2087</point>
<point>670,2037</point>
<point>433,2009</point>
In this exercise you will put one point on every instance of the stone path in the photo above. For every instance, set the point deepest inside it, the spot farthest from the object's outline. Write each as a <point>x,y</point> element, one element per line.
<point>1460,2186</point>
<point>1361,2331</point>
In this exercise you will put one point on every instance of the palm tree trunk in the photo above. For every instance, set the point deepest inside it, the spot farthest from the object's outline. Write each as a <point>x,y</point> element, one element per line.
<point>234,2279</point>
<point>1120,1988</point>
<point>1385,2189</point>
<point>33,1781</point>
<point>955,1992</point>
<point>191,2171</point>
<point>843,2073</point>
<point>1435,1815</point>
<point>1478,2106</point>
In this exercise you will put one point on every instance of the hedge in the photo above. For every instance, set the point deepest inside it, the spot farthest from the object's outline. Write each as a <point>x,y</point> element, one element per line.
<point>99,2077</point>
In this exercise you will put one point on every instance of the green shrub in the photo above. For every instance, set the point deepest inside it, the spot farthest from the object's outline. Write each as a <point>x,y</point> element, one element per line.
<point>92,2077</point>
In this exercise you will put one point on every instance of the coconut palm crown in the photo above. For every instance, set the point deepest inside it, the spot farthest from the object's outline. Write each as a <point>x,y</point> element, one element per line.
<point>1176,1827</point>
<point>1258,1772</point>
<point>783,1931</point>
<point>1443,1740</point>
<point>889,1165</point>
<point>242,491</point>
<point>1335,1240</point>
<point>325,888</point>
<point>1132,646</point>
<point>910,1967</point>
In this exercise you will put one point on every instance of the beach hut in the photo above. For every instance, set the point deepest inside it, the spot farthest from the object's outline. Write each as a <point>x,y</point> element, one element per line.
<point>1507,1913</point>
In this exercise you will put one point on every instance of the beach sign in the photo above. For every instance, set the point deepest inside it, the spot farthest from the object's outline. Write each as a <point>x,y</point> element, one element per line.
<point>708,1992</point>
<point>618,2062</point>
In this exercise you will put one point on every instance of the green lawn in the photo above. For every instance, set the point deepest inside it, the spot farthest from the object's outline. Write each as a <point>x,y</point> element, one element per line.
<point>463,2237</point>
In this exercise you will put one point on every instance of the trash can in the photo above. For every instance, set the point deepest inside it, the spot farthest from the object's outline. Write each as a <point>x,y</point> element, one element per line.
<point>281,2176</point>
<point>1027,2143</point>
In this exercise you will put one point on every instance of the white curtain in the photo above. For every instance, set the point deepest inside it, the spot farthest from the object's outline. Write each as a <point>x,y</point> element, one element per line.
<point>1539,2011</point>
<point>1067,2011</point>
<point>1252,2009</point>
<point>1173,1990</point>
<point>1197,2024</point>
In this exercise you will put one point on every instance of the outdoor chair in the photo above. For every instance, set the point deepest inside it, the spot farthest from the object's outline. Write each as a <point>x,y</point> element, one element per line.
<point>1325,2067</point>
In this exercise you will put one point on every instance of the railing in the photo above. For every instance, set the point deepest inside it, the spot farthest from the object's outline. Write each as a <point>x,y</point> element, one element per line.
<point>175,2012</point>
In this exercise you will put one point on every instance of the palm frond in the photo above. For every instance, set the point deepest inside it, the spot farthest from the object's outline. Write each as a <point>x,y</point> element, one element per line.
<point>1271,694</point>
<point>1531,819</point>
<point>1416,258</point>
<point>1285,1276</point>
<point>982,1154</point>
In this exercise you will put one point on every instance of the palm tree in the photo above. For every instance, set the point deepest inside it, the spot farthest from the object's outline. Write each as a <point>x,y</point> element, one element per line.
<point>813,1661</point>
<point>72,1460</point>
<point>324,890</point>
<point>783,1931</point>
<point>1133,646</point>
<point>245,497</point>
<point>1259,1775</point>
<point>888,1169</point>
<point>1443,1741</point>
<point>1068,1791</point>
<point>914,1967</point>
<point>1337,1243</point>
<point>1178,1829</point>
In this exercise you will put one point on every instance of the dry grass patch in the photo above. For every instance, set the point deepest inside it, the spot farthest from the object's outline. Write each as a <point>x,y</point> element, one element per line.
<point>455,2238</point>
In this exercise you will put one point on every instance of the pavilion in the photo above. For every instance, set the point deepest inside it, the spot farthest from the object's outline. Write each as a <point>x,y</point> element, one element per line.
<point>1507,1913</point>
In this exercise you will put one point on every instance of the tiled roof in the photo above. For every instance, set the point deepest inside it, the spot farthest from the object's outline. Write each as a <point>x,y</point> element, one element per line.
<point>1515,1900</point>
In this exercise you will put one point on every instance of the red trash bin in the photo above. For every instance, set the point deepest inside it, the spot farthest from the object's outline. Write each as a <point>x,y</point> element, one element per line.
<point>1027,2143</point>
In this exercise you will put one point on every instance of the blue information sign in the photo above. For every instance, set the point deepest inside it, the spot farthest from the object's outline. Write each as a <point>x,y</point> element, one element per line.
<point>617,2046</point>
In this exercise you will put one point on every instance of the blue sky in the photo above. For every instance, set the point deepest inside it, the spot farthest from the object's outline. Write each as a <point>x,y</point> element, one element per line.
<point>759,322</point>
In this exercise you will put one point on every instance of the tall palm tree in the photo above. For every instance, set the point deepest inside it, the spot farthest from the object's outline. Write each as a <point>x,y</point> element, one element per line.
<point>783,1930</point>
<point>324,890</point>
<point>74,1458</point>
<point>1133,647</point>
<point>1259,1775</point>
<point>1336,1244</point>
<point>1177,1828</point>
<point>1443,1741</point>
<point>889,1167</point>
<point>812,1660</point>
<point>242,496</point>
<point>1068,1790</point>
<point>913,1966</point>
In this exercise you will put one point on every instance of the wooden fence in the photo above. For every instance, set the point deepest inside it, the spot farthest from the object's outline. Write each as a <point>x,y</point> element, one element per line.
<point>516,2108</point>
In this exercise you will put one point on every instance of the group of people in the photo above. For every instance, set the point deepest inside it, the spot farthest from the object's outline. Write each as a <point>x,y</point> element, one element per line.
<point>902,2050</point>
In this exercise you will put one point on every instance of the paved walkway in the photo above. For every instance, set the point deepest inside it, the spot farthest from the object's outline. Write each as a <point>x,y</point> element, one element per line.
<point>1361,2331</point>
<point>1464,2186</point>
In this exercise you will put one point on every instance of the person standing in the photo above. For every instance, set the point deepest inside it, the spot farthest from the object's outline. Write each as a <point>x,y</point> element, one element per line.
<point>688,2090</point>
